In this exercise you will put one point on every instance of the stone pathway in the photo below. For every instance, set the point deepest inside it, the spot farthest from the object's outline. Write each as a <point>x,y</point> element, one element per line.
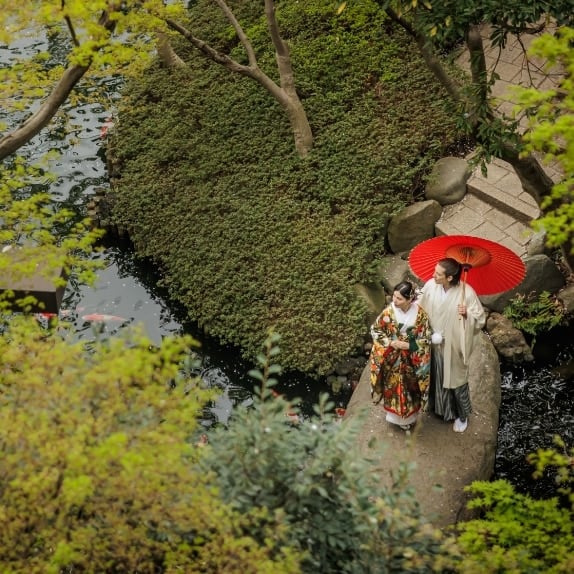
<point>496,207</point>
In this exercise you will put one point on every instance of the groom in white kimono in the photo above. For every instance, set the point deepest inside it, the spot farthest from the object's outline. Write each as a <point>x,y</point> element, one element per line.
<point>456,317</point>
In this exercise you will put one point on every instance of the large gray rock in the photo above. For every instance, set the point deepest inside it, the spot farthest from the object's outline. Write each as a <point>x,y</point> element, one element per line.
<point>412,225</point>
<point>537,244</point>
<point>444,462</point>
<point>392,270</point>
<point>508,341</point>
<point>447,181</point>
<point>542,274</point>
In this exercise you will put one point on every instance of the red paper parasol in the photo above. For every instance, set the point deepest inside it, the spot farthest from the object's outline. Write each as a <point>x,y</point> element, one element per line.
<point>489,266</point>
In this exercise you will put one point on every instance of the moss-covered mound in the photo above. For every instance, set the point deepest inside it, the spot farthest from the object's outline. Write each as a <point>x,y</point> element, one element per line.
<point>247,234</point>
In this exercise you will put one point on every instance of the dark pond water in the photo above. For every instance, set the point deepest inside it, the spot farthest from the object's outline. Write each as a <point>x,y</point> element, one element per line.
<point>127,293</point>
<point>537,404</point>
<point>537,401</point>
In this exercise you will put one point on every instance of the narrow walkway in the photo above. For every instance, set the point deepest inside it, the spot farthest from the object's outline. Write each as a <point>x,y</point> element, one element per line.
<point>496,207</point>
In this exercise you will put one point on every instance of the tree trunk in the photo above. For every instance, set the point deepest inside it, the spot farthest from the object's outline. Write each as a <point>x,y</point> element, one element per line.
<point>11,142</point>
<point>300,126</point>
<point>292,104</point>
<point>166,53</point>
<point>432,62</point>
<point>478,65</point>
<point>285,93</point>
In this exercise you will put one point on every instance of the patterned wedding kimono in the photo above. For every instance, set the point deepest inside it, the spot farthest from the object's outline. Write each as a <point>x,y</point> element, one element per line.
<point>451,356</point>
<point>400,377</point>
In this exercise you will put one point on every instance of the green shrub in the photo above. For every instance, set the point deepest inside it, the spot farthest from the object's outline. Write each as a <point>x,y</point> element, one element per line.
<point>517,533</point>
<point>309,477</point>
<point>96,458</point>
<point>535,315</point>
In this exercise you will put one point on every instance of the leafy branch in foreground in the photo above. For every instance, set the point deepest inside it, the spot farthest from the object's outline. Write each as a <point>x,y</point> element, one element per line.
<point>97,455</point>
<point>518,533</point>
<point>38,240</point>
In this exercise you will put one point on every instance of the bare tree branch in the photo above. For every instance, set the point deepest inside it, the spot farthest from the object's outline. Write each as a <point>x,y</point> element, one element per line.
<point>11,142</point>
<point>70,26</point>
<point>239,31</point>
<point>252,71</point>
<point>210,52</point>
<point>281,49</point>
<point>285,93</point>
<point>429,56</point>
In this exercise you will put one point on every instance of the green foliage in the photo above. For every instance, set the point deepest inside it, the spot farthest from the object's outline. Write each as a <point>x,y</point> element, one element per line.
<point>38,240</point>
<point>517,533</point>
<point>246,233</point>
<point>561,459</point>
<point>534,315</point>
<point>310,479</point>
<point>448,20</point>
<point>552,132</point>
<point>96,458</point>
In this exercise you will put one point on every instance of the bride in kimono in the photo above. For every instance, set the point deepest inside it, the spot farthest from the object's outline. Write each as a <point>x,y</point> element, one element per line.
<point>400,357</point>
<point>456,316</point>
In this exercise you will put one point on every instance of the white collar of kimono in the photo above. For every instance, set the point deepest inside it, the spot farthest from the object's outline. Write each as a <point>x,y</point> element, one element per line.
<point>406,318</point>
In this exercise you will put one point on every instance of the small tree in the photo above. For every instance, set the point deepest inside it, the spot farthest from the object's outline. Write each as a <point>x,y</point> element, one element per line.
<point>310,478</point>
<point>97,456</point>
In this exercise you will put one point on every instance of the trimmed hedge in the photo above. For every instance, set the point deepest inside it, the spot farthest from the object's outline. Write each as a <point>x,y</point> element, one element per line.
<point>249,235</point>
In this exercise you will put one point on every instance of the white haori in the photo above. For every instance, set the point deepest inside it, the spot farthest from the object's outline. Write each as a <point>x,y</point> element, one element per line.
<point>458,333</point>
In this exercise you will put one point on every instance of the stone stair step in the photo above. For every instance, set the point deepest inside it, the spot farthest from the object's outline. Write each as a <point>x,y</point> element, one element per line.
<point>475,216</point>
<point>513,201</point>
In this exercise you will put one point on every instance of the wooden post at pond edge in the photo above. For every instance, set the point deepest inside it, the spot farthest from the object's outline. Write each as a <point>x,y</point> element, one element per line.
<point>48,295</point>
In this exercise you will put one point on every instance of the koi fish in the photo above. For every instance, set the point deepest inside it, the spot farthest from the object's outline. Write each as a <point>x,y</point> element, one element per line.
<point>103,317</point>
<point>62,313</point>
<point>291,416</point>
<point>106,127</point>
<point>45,315</point>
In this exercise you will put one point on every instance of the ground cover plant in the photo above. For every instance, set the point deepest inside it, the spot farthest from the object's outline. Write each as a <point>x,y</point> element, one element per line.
<point>247,233</point>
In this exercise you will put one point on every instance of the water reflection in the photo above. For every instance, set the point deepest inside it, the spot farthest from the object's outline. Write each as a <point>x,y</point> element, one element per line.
<point>537,401</point>
<point>127,294</point>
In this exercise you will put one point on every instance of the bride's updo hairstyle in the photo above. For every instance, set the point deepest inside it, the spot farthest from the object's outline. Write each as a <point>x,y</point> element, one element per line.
<point>406,289</point>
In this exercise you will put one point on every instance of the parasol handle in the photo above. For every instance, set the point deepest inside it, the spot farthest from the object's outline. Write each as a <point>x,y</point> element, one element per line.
<point>465,268</point>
